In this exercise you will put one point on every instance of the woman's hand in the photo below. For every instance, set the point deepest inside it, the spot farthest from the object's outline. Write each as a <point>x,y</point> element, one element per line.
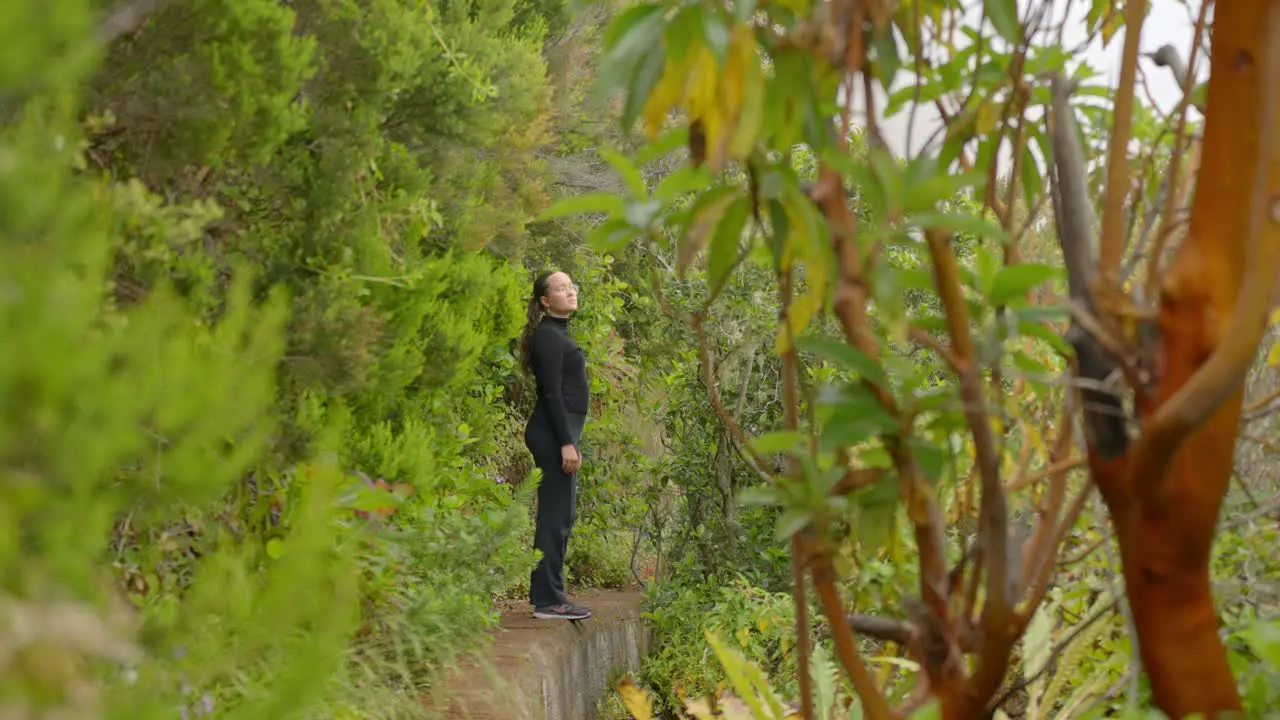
<point>570,460</point>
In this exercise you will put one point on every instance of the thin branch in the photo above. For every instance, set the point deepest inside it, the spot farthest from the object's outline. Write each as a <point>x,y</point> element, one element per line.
<point>1173,201</point>
<point>791,411</point>
<point>1111,250</point>
<point>1042,549</point>
<point>753,458</point>
<point>993,513</point>
<point>886,629</point>
<point>1053,469</point>
<point>1113,570</point>
<point>874,704</point>
<point>1104,415</point>
<point>925,338</point>
<point>1082,553</point>
<point>1039,585</point>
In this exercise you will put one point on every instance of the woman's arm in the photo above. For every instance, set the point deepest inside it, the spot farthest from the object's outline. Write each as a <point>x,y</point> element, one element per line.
<point>548,371</point>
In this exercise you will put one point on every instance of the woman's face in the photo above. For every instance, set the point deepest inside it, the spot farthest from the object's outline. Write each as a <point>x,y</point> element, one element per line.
<point>562,295</point>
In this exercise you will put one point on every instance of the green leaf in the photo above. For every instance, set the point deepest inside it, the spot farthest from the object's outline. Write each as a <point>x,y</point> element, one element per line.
<point>585,203</point>
<point>978,226</point>
<point>726,241</point>
<point>1052,338</point>
<point>1027,364</point>
<point>667,143</point>
<point>859,416</point>
<point>931,710</point>
<point>779,441</point>
<point>987,265</point>
<point>629,172</point>
<point>633,33</point>
<point>683,31</point>
<point>1003,14</point>
<point>646,76</point>
<point>705,214</point>
<point>1015,281</point>
<point>844,355</point>
<point>887,62</point>
<point>684,180</point>
<point>626,22</point>
<point>1032,181</point>
<point>791,522</point>
<point>762,495</point>
<point>932,186</point>
<point>716,33</point>
<point>932,459</point>
<point>1264,640</point>
<point>781,225</point>
<point>642,214</point>
<point>612,235</point>
<point>275,548</point>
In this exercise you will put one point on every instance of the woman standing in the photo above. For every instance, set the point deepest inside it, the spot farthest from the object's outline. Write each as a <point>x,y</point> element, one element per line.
<point>554,430</point>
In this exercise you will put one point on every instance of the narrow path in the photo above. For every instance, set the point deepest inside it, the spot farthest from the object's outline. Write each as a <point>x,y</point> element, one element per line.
<point>549,669</point>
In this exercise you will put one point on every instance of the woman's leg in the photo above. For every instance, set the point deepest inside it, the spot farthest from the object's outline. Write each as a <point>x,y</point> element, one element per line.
<point>556,496</point>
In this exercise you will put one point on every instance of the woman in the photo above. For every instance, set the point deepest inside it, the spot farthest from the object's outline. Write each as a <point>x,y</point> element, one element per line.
<point>552,435</point>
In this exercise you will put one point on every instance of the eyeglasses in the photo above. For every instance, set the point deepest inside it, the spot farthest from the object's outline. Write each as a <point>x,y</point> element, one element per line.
<point>564,288</point>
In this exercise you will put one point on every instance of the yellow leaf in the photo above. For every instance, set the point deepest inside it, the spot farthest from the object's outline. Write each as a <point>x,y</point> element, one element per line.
<point>1111,26</point>
<point>729,87</point>
<point>750,111</point>
<point>669,91</point>
<point>702,93</point>
<point>636,700</point>
<point>988,114</point>
<point>799,314</point>
<point>744,636</point>
<point>1275,317</point>
<point>700,709</point>
<point>734,709</point>
<point>1273,357</point>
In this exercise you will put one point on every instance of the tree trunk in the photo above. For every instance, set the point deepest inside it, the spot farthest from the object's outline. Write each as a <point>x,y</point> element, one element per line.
<point>1165,498</point>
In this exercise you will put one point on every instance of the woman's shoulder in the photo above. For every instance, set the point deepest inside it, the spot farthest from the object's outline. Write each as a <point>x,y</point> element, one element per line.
<point>547,334</point>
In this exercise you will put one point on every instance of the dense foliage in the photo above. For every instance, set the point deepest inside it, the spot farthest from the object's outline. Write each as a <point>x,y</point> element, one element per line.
<point>261,271</point>
<point>262,266</point>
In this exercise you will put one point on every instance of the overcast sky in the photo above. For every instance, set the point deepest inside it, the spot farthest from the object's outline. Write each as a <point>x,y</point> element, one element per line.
<point>1167,22</point>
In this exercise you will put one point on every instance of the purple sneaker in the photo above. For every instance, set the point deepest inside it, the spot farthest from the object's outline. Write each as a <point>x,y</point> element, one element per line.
<point>563,611</point>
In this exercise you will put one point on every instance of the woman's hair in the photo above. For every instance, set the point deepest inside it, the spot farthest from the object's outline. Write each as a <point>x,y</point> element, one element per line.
<point>535,315</point>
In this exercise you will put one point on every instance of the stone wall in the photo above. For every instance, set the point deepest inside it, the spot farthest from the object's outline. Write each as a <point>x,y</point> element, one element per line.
<point>549,669</point>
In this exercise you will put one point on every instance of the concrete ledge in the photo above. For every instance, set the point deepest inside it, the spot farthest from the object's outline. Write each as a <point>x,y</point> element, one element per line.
<point>550,669</point>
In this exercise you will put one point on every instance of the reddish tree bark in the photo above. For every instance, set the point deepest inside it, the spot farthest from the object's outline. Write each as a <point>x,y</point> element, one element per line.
<point>1165,495</point>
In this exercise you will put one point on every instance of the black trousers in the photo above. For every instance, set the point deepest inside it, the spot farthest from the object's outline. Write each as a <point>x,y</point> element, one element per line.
<point>557,508</point>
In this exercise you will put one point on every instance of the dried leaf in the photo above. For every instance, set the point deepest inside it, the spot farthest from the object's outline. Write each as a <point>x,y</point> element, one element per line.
<point>635,699</point>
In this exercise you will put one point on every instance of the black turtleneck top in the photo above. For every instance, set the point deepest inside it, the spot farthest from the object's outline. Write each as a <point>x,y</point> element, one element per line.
<point>560,368</point>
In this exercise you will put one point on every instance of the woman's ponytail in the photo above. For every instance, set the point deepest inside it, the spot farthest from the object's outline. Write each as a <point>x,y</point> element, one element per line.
<point>534,316</point>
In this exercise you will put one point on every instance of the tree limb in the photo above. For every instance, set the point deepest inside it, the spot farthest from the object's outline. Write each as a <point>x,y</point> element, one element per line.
<point>993,513</point>
<point>1104,414</point>
<point>1112,249</point>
